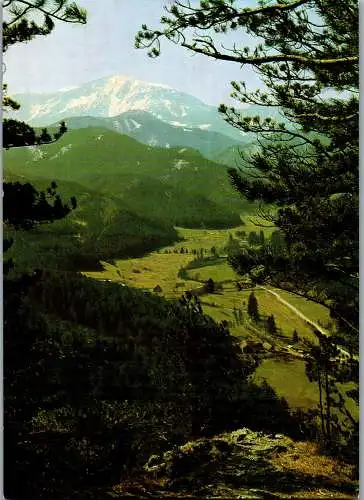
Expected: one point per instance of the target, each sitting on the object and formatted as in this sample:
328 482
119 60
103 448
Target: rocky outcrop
243 464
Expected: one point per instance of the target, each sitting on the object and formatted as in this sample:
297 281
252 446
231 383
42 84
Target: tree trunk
321 404
328 404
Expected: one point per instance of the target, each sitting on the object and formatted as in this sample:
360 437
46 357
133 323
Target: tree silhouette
45 136
306 163
210 286
253 307
271 325
295 337
325 367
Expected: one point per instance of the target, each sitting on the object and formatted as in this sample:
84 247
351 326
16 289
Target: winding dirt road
302 316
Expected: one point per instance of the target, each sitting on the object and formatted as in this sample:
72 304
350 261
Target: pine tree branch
54 13
19 16
257 61
247 12
328 118
293 134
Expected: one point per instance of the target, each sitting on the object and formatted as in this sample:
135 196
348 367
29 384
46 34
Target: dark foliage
98 377
271 325
21 26
35 207
253 311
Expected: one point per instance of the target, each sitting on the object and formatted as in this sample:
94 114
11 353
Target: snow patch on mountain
62 151
184 110
114 83
205 126
167 103
136 124
67 89
36 153
179 164
39 110
83 102
178 124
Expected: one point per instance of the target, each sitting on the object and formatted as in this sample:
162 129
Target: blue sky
75 54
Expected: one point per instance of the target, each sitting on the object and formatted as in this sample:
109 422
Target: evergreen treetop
26 19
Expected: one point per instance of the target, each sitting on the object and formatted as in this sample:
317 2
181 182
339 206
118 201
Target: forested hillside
177 186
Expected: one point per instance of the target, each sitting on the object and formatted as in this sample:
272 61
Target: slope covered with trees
174 186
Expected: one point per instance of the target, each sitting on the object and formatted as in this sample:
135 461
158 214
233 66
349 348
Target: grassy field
148 272
285 318
314 311
207 238
161 268
220 271
289 380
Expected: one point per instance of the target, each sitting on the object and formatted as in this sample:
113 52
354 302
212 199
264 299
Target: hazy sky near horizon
75 54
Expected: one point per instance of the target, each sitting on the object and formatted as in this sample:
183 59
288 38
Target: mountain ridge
109 97
149 130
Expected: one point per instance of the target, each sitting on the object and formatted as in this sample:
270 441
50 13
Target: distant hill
232 156
145 128
175 186
101 228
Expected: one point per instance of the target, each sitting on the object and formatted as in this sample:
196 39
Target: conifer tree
240 316
306 53
25 20
45 136
295 337
325 367
210 286
253 311
271 325
253 239
307 162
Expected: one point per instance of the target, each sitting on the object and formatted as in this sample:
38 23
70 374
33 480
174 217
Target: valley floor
283 365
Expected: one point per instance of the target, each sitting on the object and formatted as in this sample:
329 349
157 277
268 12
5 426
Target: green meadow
286 374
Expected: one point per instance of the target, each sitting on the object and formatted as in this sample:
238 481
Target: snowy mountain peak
112 96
